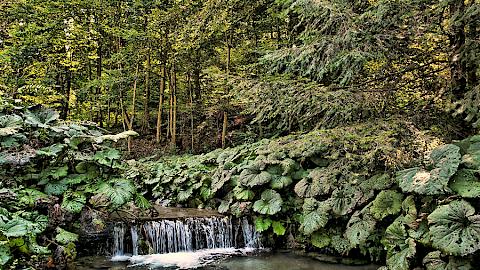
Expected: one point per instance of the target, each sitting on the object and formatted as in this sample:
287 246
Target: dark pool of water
272 261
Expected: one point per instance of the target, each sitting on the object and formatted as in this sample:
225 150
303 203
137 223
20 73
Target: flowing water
267 261
214 243
183 235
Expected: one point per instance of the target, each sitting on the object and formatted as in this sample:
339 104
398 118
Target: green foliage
278 228
315 215
270 203
388 202
118 191
466 184
62 159
444 160
262 224
434 261
455 229
64 237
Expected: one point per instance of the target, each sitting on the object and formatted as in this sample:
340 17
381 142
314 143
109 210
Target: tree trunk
68 90
160 103
174 91
146 113
190 87
225 115
132 118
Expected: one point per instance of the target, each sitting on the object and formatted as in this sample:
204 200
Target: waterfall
185 235
134 231
118 239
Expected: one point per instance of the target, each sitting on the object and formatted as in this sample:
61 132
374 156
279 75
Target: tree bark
160 103
146 113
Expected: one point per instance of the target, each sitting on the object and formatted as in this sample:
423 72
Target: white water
187 260
213 234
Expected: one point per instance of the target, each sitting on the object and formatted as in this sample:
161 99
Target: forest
342 127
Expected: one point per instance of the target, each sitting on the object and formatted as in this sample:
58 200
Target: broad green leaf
345 199
455 229
184 195
56 188
315 215
243 194
64 237
10 124
51 151
466 184
118 191
29 197
270 203
73 202
387 202
359 228
445 161
5 255
279 182
278 228
106 157
319 181
320 239
252 178
262 224
434 261
41 118
400 248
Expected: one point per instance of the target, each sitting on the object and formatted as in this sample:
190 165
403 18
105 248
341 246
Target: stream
266 261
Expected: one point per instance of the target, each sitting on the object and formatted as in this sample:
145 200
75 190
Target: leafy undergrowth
336 191
52 174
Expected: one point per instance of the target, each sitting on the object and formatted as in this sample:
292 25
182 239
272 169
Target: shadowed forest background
195 75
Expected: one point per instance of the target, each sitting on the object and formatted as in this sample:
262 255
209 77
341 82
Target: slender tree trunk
132 118
174 91
170 108
98 90
146 113
68 91
190 92
160 103
225 114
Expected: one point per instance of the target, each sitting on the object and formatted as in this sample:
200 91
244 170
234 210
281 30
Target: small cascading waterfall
250 236
184 235
118 239
134 232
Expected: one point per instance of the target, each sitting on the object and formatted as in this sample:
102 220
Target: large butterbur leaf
466 184
434 261
360 226
387 202
42 118
315 215
270 203
345 199
444 160
117 191
5 255
455 229
64 237
10 124
107 157
400 247
73 202
318 182
251 178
